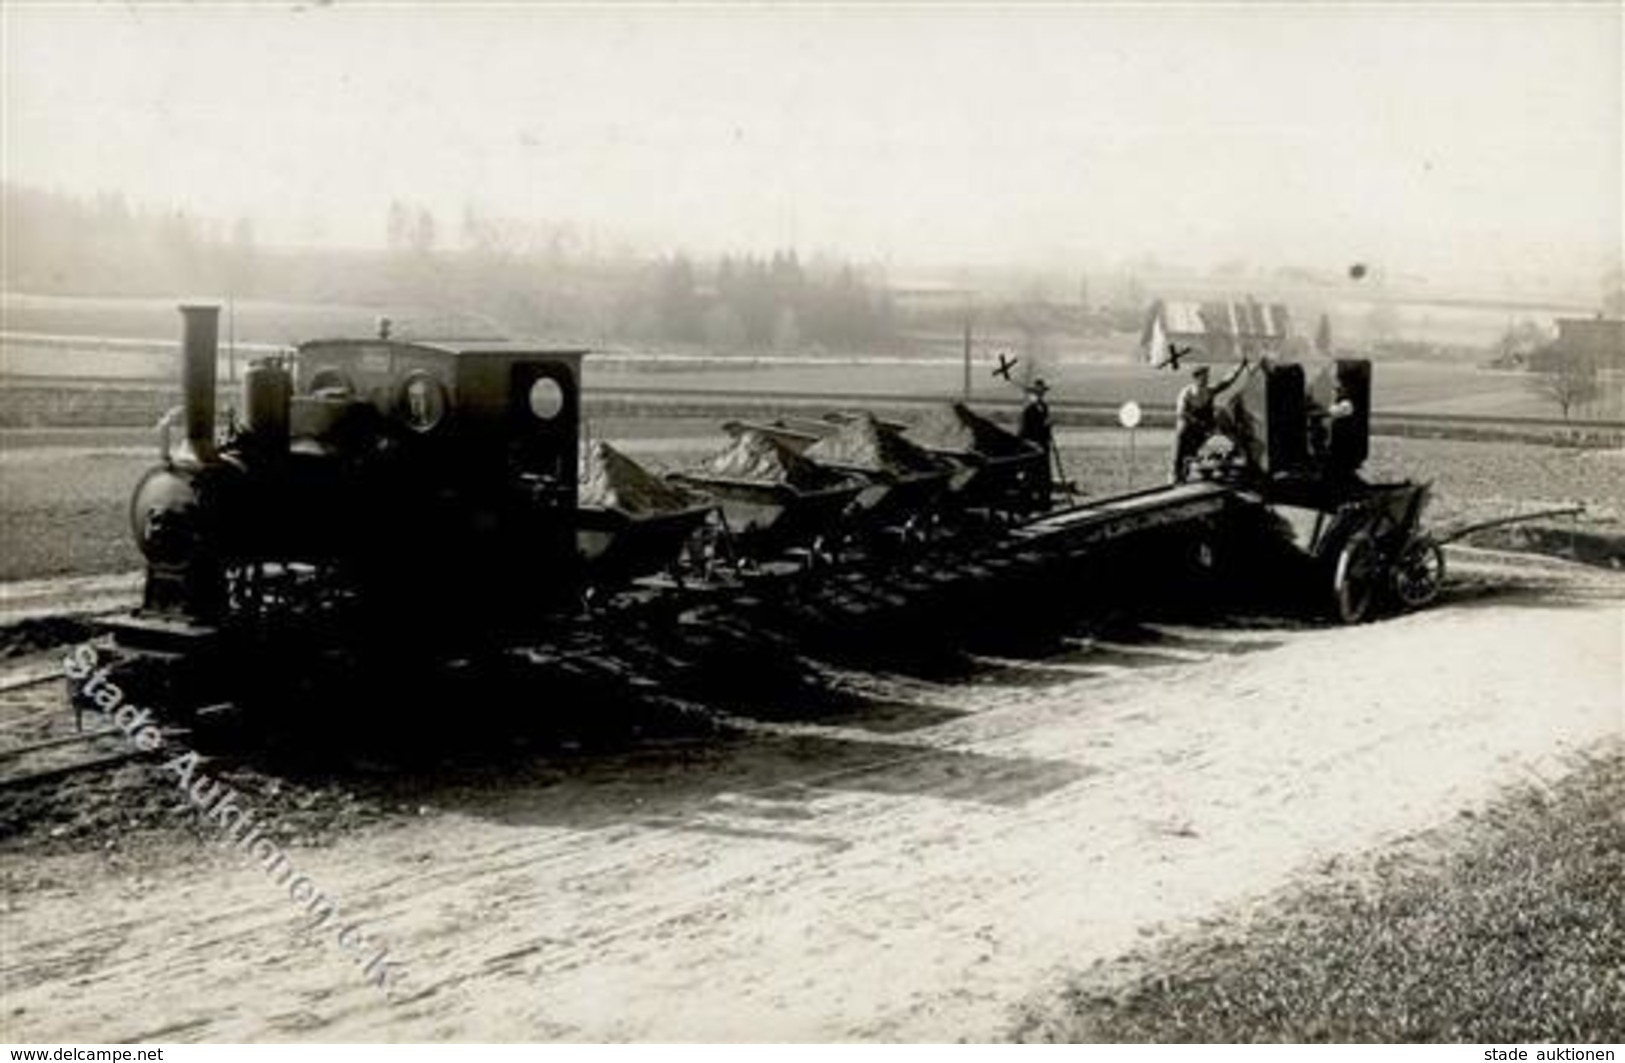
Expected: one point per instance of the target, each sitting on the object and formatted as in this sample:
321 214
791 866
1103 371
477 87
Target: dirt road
917 869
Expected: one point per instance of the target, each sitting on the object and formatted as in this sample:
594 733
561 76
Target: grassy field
1403 387
1090 373
1399 388
66 491
1506 927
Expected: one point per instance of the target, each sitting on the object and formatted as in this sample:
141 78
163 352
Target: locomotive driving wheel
1354 581
1419 572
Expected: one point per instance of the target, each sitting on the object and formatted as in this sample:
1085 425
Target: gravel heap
611 480
957 429
864 443
757 456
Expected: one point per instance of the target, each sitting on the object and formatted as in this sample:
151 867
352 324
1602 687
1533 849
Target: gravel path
919 869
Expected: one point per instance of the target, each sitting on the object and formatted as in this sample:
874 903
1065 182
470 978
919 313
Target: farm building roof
1217 327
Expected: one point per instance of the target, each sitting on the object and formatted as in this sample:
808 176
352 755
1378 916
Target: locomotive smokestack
199 351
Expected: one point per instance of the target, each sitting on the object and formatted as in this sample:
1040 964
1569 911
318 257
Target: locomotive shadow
761 783
604 757
449 728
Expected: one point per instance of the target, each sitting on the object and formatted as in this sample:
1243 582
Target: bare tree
1567 378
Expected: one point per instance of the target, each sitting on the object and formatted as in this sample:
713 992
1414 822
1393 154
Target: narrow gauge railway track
23 679
76 753
42 740
54 759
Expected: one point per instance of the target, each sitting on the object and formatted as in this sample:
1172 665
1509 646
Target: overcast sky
1423 138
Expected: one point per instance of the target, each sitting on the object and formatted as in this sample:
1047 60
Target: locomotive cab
462 455
482 409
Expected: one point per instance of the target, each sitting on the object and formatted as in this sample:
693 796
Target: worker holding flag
1195 415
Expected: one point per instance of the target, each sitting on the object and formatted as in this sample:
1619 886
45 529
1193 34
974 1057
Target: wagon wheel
716 549
822 551
245 589
1354 583
1419 572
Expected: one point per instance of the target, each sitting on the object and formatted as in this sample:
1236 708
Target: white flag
1156 348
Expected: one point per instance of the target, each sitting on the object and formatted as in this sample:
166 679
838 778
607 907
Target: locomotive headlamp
546 398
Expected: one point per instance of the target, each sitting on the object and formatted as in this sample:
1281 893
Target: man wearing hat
1035 428
1195 415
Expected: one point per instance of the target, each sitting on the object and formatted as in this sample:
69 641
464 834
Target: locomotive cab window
421 402
332 380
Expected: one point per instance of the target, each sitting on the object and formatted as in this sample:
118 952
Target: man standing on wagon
1195 416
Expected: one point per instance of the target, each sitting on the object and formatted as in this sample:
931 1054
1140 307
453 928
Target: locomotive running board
160 634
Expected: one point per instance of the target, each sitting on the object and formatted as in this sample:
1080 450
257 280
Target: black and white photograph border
756 523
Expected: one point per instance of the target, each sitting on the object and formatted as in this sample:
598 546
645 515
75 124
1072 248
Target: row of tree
61 243
760 303
496 274
498 265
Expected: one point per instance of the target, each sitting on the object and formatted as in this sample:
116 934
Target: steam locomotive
399 483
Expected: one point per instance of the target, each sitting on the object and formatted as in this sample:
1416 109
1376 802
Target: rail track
25 678
41 740
66 753
33 773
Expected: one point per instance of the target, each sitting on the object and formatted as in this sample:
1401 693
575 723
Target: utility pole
965 383
231 339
